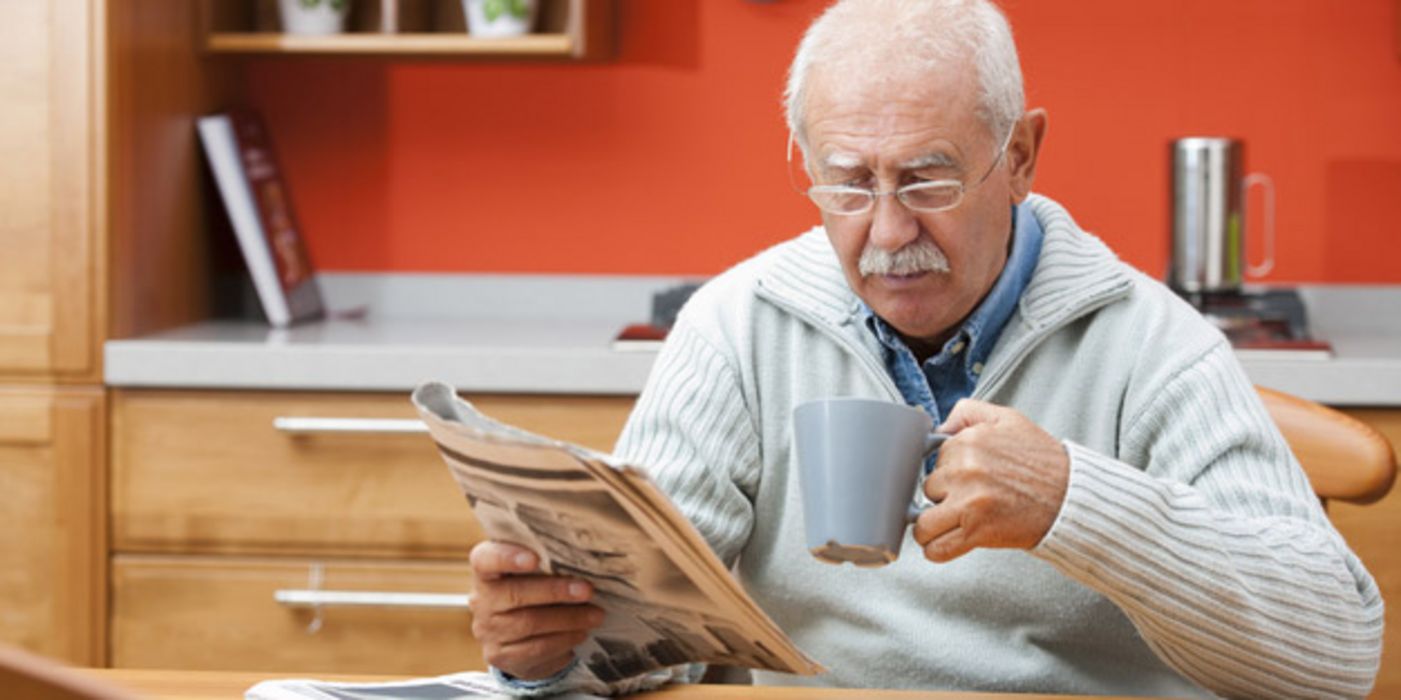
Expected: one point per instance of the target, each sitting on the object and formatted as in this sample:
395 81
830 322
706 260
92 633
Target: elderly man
1115 513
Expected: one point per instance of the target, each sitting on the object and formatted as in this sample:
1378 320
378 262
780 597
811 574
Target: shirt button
957 347
977 368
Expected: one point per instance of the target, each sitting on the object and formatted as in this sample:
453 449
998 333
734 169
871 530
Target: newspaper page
457 686
668 599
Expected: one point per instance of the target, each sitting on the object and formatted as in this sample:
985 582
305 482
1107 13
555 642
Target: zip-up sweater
1190 553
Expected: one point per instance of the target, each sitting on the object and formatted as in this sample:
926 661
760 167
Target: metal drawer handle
313 598
311 425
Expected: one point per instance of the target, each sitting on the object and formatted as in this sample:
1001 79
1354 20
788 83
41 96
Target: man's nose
893 225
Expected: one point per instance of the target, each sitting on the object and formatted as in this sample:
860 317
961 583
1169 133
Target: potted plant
499 18
313 17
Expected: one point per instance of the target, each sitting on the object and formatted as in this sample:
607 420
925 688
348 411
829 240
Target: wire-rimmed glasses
928 196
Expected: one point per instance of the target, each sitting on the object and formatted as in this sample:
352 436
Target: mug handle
1269 264
932 441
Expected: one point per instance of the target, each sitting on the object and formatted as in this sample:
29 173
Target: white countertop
1363 323
554 335
483 355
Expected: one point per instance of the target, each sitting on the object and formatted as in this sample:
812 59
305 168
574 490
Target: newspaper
457 686
669 600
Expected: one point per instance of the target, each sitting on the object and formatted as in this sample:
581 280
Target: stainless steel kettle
1208 216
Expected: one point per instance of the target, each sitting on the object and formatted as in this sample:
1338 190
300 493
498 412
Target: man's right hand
528 623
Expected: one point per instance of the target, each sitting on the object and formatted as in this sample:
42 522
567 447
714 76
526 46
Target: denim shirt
951 374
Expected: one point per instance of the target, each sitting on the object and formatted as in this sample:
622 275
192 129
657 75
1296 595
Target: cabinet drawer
209 473
219 613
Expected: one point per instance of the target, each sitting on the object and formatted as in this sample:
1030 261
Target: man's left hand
1000 482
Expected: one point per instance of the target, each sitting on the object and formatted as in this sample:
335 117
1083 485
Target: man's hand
1000 482
528 623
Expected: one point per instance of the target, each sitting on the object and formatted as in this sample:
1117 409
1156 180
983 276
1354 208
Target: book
1298 349
640 337
668 598
259 207
649 336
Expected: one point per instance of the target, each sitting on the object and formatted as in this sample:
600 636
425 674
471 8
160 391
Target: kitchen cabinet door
50 148
52 581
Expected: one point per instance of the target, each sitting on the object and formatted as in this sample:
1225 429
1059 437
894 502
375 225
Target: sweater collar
806 276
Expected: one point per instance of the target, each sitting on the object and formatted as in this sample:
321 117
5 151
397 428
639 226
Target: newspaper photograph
668 599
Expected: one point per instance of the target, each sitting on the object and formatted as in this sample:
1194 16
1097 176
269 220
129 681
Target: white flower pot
498 18
313 17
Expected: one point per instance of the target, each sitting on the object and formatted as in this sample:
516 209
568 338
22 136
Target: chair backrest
26 676
1345 459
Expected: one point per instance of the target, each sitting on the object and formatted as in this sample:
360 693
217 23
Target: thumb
968 413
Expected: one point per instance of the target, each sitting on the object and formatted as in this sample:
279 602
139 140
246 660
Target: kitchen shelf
426 43
567 30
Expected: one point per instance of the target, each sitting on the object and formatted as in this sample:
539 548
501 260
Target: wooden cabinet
205 483
213 509
52 418
52 568
51 146
1374 533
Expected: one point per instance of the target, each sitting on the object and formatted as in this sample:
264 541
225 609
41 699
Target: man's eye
917 178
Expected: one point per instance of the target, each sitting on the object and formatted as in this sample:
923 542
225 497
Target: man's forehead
922 113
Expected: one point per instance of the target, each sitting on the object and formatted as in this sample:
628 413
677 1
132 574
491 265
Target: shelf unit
567 30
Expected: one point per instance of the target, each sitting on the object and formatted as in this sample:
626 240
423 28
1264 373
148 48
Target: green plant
336 5
493 9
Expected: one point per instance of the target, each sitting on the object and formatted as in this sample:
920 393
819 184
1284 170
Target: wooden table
229 685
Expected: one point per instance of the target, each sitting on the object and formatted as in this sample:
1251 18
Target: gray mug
859 462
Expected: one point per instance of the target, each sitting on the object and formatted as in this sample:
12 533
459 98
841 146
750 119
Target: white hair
913 35
922 255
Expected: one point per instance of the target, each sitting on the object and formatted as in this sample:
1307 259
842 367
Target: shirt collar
980 331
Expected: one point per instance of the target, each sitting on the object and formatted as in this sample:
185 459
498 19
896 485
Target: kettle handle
1269 185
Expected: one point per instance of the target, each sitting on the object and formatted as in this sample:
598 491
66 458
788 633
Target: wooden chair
26 676
1345 459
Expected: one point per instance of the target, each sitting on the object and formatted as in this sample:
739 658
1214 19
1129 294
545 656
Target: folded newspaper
669 600
468 685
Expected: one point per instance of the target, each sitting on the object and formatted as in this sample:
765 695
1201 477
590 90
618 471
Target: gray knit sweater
1190 552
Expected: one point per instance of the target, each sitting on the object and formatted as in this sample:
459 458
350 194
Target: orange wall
669 159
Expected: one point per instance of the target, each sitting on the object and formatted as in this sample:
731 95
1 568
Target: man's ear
1023 150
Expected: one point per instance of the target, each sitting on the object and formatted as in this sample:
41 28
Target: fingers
969 412
516 592
936 485
537 657
940 532
934 522
948 546
491 560
528 623
533 643
516 626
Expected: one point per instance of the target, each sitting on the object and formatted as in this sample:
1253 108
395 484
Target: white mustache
921 256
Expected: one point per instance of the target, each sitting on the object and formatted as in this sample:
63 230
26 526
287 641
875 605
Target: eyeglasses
931 196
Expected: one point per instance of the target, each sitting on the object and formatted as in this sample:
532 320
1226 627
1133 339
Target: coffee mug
859 461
